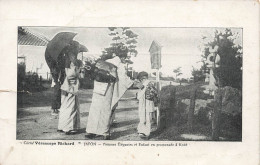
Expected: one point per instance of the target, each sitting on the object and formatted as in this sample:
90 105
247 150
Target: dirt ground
34 120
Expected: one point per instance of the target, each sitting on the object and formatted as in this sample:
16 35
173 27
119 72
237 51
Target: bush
229 72
166 99
204 116
199 95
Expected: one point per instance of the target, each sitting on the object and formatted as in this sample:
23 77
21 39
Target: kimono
57 69
100 112
148 100
69 116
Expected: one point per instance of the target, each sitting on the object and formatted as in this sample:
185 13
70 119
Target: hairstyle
142 74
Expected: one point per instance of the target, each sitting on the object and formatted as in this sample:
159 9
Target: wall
34 59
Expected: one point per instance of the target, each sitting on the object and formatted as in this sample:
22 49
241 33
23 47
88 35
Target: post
216 114
40 80
158 88
172 107
158 79
192 107
155 53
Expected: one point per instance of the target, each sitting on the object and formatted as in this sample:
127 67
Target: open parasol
83 48
62 43
59 42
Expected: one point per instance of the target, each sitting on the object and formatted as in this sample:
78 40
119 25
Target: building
31 50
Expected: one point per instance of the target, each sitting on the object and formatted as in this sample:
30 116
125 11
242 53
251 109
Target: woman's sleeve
122 76
115 61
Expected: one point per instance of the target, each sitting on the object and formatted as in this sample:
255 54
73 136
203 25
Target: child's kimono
69 117
148 100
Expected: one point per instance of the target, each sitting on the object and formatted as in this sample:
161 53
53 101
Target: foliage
186 94
183 80
230 66
177 72
198 74
121 36
167 78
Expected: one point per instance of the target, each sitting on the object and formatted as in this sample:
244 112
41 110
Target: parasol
62 42
58 43
83 48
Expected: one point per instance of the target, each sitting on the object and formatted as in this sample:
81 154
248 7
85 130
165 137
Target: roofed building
31 50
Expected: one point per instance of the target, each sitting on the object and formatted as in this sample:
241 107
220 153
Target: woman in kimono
100 113
69 116
148 100
57 68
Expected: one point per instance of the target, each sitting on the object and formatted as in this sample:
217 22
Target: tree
183 80
177 72
198 74
122 36
229 71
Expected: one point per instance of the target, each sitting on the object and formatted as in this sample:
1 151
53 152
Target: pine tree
121 36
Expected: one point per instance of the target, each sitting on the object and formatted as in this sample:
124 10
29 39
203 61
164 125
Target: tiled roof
25 37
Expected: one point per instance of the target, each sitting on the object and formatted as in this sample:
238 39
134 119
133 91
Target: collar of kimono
142 91
146 83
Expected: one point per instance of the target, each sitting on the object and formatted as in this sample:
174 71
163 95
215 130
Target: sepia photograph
129 83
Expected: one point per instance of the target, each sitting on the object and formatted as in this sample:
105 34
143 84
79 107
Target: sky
180 46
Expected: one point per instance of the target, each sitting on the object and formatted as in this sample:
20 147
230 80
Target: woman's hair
142 74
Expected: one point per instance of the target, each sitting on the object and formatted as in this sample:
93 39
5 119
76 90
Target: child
148 100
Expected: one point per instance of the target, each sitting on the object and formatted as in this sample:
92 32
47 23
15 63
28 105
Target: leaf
112 28
133 52
130 34
131 46
125 28
116 38
132 41
112 34
177 70
113 44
